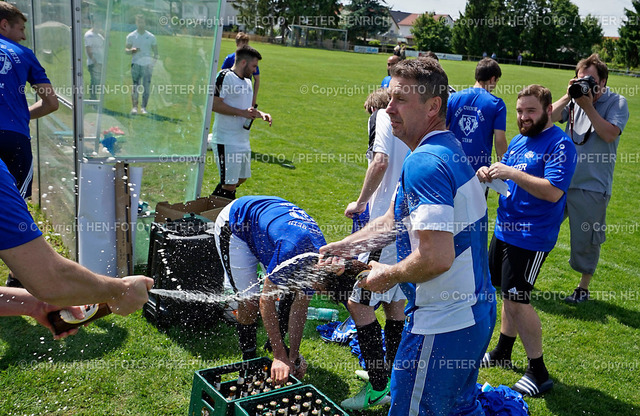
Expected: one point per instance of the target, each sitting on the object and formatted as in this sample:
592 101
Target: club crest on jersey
5 64
468 124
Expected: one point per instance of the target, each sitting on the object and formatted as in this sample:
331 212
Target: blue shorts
437 374
15 152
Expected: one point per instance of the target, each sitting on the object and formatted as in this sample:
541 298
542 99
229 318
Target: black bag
183 257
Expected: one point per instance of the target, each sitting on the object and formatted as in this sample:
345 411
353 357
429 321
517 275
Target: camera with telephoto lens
581 87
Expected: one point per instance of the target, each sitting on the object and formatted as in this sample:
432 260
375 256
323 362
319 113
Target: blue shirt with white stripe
439 191
275 230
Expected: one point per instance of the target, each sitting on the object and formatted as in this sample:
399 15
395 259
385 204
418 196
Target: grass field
124 366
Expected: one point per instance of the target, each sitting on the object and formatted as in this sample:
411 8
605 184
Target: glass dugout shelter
81 44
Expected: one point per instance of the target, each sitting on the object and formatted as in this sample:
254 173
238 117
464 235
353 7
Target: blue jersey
524 220
274 229
18 65
385 82
231 59
16 225
472 115
439 191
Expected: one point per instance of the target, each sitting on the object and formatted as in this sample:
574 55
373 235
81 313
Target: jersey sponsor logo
468 124
5 64
530 155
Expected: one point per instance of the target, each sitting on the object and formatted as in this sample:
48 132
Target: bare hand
483 174
266 117
338 248
301 369
378 280
500 171
280 370
134 295
41 317
354 208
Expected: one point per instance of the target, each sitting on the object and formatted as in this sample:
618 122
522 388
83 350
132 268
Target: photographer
595 118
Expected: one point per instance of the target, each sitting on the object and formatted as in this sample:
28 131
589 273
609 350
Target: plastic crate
206 400
248 406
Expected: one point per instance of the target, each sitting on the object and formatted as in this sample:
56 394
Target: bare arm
17 301
558 106
47 104
59 281
378 233
372 180
219 106
435 255
500 141
256 86
541 188
283 364
607 131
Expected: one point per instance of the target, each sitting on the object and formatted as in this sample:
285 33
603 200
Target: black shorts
514 269
15 152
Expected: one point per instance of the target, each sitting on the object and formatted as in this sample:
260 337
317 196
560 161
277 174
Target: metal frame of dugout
170 142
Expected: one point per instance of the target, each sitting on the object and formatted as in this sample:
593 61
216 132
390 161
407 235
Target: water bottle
322 314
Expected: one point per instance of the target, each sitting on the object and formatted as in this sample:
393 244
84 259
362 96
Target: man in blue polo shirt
537 167
18 65
478 118
440 219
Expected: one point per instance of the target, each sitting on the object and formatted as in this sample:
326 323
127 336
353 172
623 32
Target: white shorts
232 165
239 263
368 298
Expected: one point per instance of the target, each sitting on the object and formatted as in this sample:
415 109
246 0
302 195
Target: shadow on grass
273 159
28 344
593 310
575 400
149 115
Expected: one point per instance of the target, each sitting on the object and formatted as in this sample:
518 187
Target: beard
535 128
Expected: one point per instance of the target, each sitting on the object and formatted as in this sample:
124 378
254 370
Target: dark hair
428 74
486 69
541 93
594 60
430 54
246 52
378 99
11 13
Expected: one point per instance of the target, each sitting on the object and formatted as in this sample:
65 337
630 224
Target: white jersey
385 142
238 93
144 43
95 41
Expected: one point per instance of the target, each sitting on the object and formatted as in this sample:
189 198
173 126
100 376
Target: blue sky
609 12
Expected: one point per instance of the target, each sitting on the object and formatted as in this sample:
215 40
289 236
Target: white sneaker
362 374
134 110
143 110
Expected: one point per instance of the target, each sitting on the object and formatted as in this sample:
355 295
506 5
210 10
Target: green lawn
125 366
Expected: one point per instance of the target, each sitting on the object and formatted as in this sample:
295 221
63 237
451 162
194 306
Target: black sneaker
579 295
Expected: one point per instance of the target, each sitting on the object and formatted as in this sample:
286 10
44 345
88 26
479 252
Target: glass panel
172 89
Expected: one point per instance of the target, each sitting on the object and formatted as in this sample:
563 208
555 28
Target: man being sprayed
285 240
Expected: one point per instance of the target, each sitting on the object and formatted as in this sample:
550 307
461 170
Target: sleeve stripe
433 217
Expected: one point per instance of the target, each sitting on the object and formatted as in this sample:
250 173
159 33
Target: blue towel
502 400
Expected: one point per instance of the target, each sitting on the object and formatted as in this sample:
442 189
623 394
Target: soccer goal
317 37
